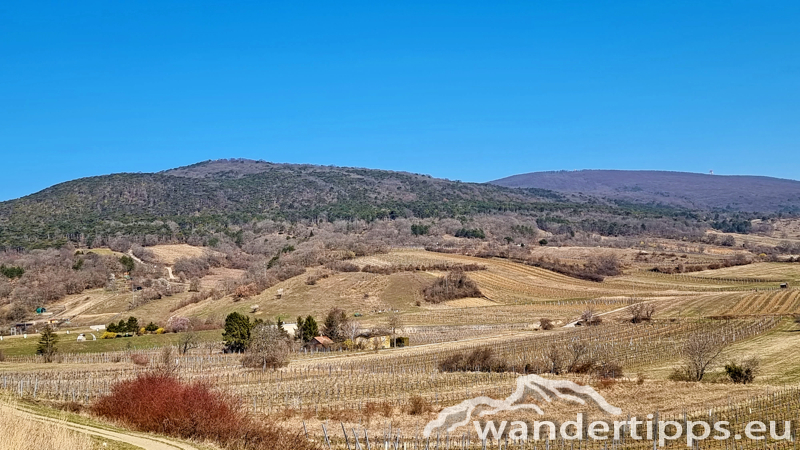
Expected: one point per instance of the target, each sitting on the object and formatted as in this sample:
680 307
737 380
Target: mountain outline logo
535 385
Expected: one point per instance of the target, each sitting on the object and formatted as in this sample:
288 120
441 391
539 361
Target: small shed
784 285
372 341
319 343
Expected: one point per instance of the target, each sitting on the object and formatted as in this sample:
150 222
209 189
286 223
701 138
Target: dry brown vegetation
23 432
452 286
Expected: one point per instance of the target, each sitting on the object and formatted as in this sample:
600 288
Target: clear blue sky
463 90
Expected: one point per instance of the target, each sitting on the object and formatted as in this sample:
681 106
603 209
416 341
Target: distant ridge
690 190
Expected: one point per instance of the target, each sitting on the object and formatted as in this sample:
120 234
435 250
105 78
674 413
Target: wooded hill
209 197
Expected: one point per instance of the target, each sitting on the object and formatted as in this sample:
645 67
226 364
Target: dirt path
169 268
130 253
143 441
572 324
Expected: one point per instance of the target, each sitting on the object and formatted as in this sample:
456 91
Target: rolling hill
210 196
688 190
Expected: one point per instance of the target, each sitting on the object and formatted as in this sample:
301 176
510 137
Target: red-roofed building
319 343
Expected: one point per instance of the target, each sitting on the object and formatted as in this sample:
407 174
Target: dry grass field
168 254
22 432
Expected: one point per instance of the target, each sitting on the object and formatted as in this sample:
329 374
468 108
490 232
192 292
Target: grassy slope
16 346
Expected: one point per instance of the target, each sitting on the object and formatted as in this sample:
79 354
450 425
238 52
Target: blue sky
462 90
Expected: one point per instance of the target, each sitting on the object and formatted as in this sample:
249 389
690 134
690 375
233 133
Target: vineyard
383 399
774 302
351 381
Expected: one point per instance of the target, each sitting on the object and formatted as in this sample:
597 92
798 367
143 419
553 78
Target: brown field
168 254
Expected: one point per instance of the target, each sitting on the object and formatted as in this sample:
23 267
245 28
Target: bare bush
452 286
545 324
246 291
589 318
478 360
641 312
605 265
320 275
608 370
140 359
579 360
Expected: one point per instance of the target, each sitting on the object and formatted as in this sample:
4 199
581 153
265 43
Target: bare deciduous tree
579 353
352 329
699 353
554 358
269 347
394 323
187 341
589 318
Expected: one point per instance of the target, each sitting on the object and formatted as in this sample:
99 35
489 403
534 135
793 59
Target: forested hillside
217 196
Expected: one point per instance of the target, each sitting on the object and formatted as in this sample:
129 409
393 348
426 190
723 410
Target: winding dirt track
143 441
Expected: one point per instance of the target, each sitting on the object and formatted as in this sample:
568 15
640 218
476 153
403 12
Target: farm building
22 328
319 343
370 341
784 285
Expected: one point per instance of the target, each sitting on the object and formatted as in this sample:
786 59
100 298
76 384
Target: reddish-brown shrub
160 403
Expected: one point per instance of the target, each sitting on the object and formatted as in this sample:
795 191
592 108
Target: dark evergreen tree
237 332
310 329
47 344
